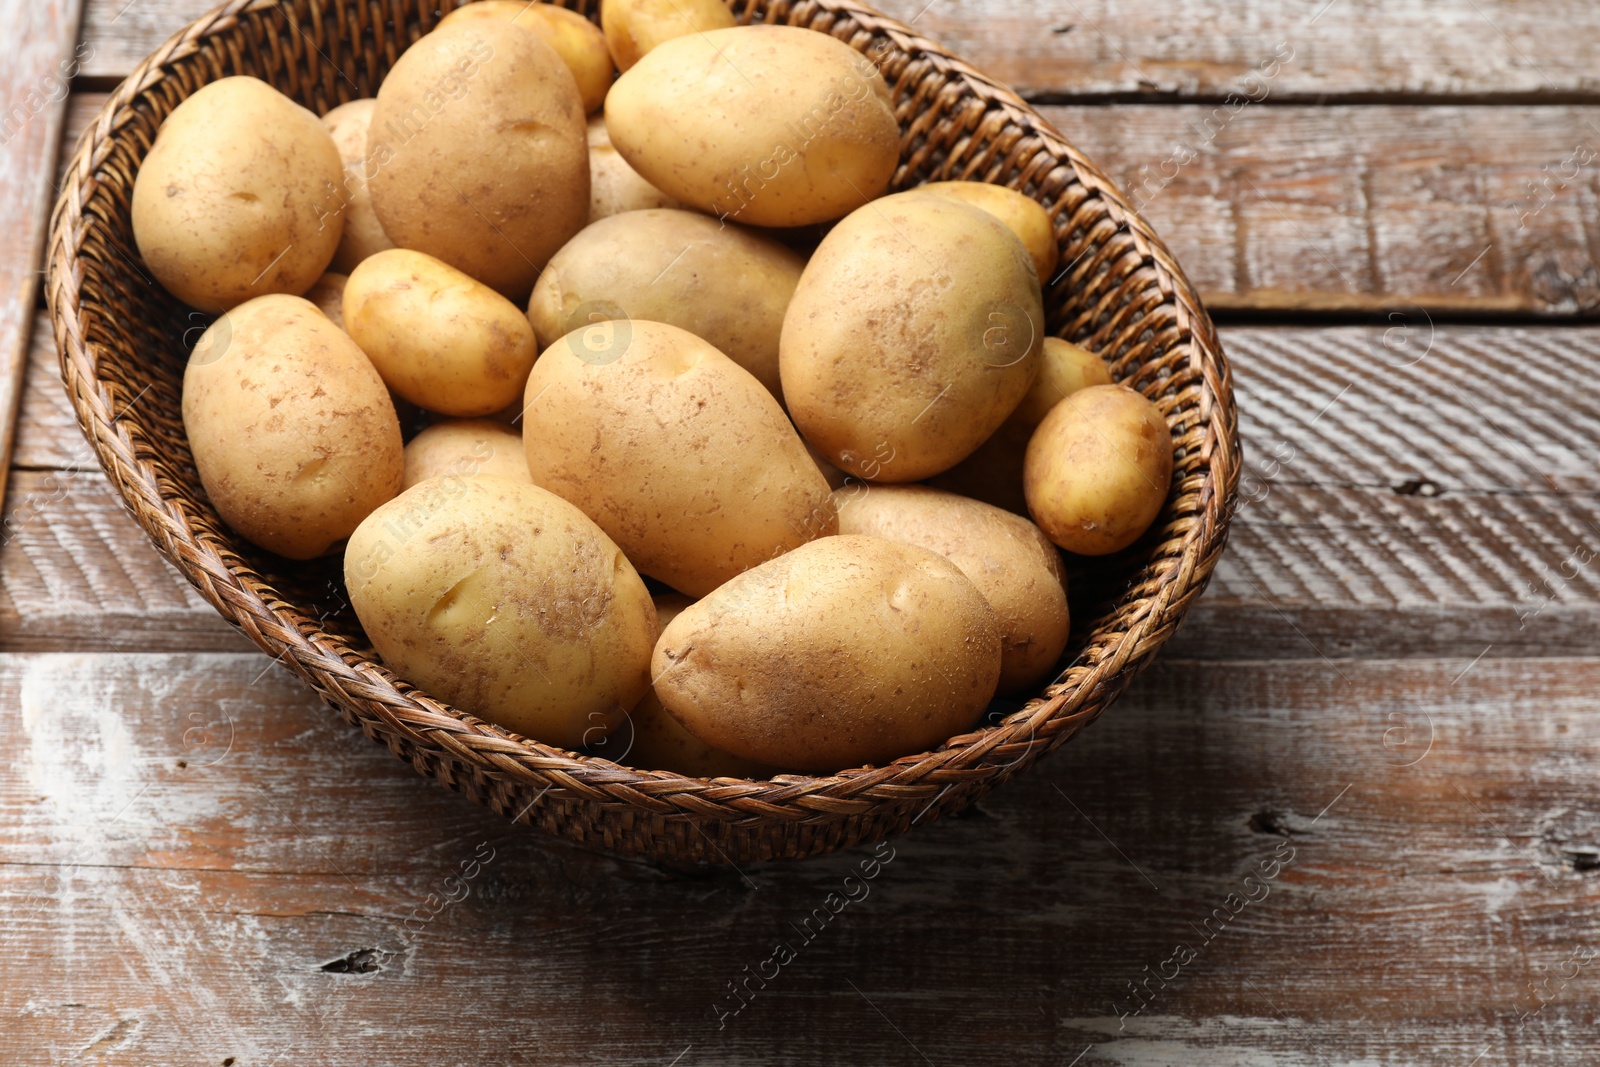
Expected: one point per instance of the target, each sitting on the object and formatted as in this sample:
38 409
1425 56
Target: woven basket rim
345 677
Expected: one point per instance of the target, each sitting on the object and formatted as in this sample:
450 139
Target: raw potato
363 233
440 339
848 650
660 743
292 432
1098 470
674 450
238 196
914 333
478 144
328 295
507 602
724 284
615 187
1012 563
1064 369
1025 217
765 125
634 27
578 41
467 447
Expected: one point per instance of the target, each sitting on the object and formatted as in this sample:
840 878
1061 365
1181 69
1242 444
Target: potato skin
914 333
506 601
676 451
439 338
1008 558
479 151
724 284
293 434
468 447
238 196
1025 217
848 650
764 125
1098 470
328 294
615 187
634 27
578 41
363 233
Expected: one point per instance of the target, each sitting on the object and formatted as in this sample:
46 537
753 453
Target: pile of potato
738 357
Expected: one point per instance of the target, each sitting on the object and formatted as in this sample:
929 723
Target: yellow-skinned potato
848 650
1011 562
634 27
659 742
238 196
615 187
467 447
578 41
1064 369
675 450
363 233
292 431
724 284
914 333
1098 470
506 601
478 153
1025 216
764 125
328 295
439 338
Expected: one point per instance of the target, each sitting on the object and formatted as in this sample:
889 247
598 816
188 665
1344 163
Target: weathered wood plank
1167 48
40 63
1434 887
47 436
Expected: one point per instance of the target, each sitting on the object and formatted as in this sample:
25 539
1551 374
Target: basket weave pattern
123 343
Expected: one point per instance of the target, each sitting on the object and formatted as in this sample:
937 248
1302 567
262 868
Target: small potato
848 650
674 450
237 197
1064 369
440 339
660 743
1025 217
479 151
615 187
507 602
578 41
764 125
1098 470
1012 563
467 447
914 333
363 233
292 432
634 27
724 284
328 295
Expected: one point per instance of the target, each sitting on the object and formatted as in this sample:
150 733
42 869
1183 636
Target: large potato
479 151
238 196
615 187
363 233
634 27
507 602
467 447
848 650
724 284
765 125
1098 470
1011 562
914 333
1025 217
675 450
292 431
578 41
439 338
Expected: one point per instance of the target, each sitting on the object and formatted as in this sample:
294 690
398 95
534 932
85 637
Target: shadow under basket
123 343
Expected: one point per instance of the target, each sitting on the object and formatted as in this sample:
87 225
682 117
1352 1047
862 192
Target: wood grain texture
224 839
40 62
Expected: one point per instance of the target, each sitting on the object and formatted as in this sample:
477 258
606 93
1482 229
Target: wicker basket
123 343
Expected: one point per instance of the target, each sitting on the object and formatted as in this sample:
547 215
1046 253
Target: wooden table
1349 817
